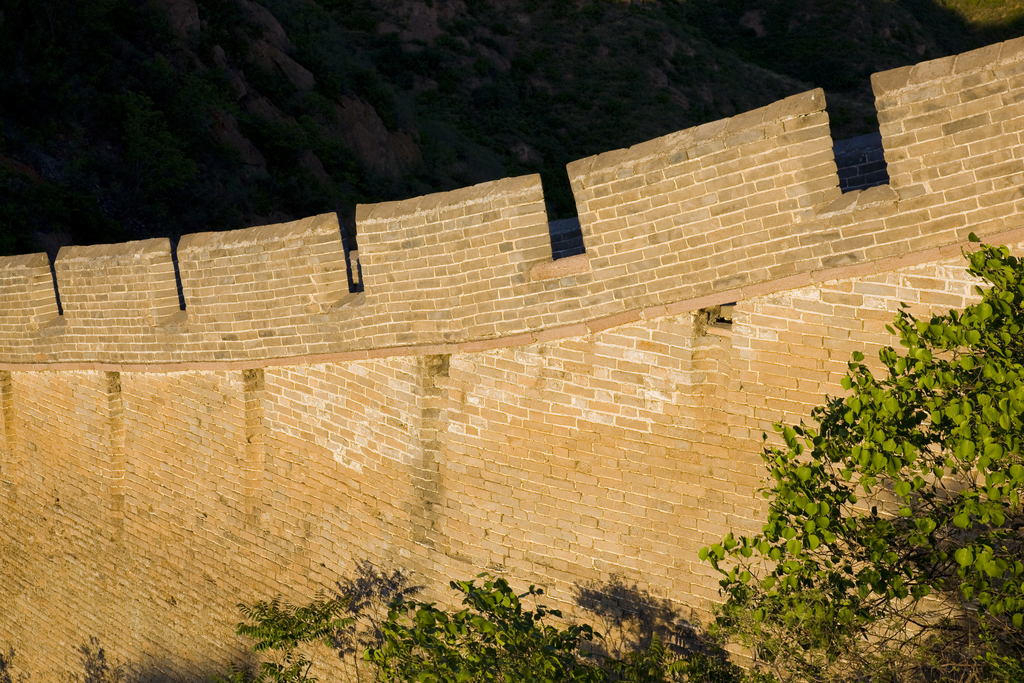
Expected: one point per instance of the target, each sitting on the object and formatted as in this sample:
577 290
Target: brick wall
478 406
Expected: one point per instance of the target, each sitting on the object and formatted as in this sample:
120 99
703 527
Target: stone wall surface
478 406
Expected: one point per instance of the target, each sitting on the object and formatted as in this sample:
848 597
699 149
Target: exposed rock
422 23
225 130
384 152
312 163
235 78
678 98
500 61
261 106
21 168
754 20
271 57
183 16
273 32
657 77
527 154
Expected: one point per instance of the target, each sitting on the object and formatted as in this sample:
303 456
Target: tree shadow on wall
7 674
368 590
98 668
154 673
632 619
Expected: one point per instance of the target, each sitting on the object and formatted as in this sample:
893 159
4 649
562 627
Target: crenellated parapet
114 289
702 216
270 287
27 297
709 208
454 266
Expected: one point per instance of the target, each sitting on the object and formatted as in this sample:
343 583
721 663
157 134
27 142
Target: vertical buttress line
10 467
255 391
713 355
116 469
425 512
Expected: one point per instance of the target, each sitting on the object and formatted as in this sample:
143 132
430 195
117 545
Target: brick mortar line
797 281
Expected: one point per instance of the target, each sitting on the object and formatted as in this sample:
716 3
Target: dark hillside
125 119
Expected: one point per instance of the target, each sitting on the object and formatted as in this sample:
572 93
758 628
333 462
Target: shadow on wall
369 590
860 162
97 668
7 674
631 617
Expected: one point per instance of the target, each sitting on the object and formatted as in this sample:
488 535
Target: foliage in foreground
281 629
495 638
894 528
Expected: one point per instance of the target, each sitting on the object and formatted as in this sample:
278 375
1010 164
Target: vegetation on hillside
124 119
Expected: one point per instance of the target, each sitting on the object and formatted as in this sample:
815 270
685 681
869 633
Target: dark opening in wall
563 224
56 289
707 320
860 162
566 238
177 274
353 268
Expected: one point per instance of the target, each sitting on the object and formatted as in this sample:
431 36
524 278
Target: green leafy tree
493 639
657 664
281 629
910 487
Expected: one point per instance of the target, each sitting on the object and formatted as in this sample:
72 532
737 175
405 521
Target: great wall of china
478 405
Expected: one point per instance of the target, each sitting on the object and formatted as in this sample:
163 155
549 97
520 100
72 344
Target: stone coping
932 255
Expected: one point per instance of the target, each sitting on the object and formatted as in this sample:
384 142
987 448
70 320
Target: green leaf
964 557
